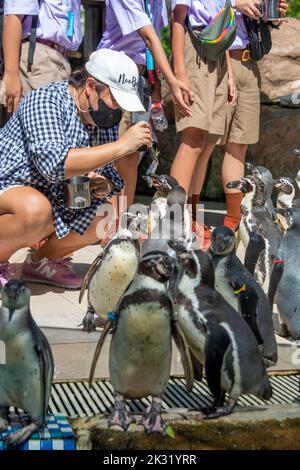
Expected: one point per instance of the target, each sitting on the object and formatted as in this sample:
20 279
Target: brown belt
47 42
240 54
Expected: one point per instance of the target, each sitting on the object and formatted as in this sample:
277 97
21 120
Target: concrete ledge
263 428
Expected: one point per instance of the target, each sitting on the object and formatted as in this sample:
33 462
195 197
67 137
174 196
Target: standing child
29 64
133 26
242 121
209 82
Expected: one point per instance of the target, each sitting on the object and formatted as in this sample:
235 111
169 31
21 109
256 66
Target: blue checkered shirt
35 143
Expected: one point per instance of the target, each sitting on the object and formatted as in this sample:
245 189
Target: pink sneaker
56 272
6 271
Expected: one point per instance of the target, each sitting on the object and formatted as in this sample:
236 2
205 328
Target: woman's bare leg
59 248
25 219
199 176
128 169
191 145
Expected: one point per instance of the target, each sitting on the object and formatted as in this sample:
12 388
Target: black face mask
105 116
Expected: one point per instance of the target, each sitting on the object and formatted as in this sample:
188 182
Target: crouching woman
59 131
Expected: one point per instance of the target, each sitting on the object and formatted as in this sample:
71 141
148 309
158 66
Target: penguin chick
259 234
219 338
112 271
239 288
26 378
141 346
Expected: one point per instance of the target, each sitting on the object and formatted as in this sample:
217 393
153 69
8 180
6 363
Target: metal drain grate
75 399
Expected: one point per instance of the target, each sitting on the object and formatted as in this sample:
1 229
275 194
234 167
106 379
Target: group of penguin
217 310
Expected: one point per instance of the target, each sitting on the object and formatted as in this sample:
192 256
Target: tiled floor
59 313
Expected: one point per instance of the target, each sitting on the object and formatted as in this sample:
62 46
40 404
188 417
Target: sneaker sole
48 283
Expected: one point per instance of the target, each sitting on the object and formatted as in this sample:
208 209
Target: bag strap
32 40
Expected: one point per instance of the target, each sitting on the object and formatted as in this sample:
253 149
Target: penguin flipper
88 276
98 349
46 364
197 367
217 343
184 351
255 247
275 278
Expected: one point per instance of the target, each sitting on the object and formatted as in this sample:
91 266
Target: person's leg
243 131
25 218
192 143
233 169
128 169
56 248
199 177
51 264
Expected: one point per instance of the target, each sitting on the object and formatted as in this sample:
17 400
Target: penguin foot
152 420
120 416
214 412
88 322
17 438
3 424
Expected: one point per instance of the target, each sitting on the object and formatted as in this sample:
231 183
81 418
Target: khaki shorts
209 82
242 120
48 66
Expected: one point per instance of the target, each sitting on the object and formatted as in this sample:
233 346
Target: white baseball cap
119 72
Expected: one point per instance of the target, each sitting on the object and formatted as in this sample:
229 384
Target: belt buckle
246 55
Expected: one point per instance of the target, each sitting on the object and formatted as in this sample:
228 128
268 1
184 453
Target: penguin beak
233 184
156 180
297 152
10 313
277 183
250 167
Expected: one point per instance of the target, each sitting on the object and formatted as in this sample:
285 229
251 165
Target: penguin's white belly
141 350
223 287
244 231
111 280
20 377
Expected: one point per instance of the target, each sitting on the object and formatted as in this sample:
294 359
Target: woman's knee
193 140
36 214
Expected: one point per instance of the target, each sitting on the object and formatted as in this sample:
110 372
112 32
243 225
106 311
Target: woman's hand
100 185
13 91
136 137
232 90
182 96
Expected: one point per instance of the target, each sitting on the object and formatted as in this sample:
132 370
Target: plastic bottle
158 117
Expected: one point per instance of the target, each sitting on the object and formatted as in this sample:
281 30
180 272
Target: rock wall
279 126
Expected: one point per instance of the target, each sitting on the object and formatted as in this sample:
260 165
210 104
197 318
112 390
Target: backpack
1 28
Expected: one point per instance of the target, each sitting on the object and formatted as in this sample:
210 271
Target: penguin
141 346
169 216
235 283
111 272
26 378
267 178
259 234
219 338
286 275
289 195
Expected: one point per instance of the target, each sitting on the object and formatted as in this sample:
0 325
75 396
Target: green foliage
294 8
165 39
